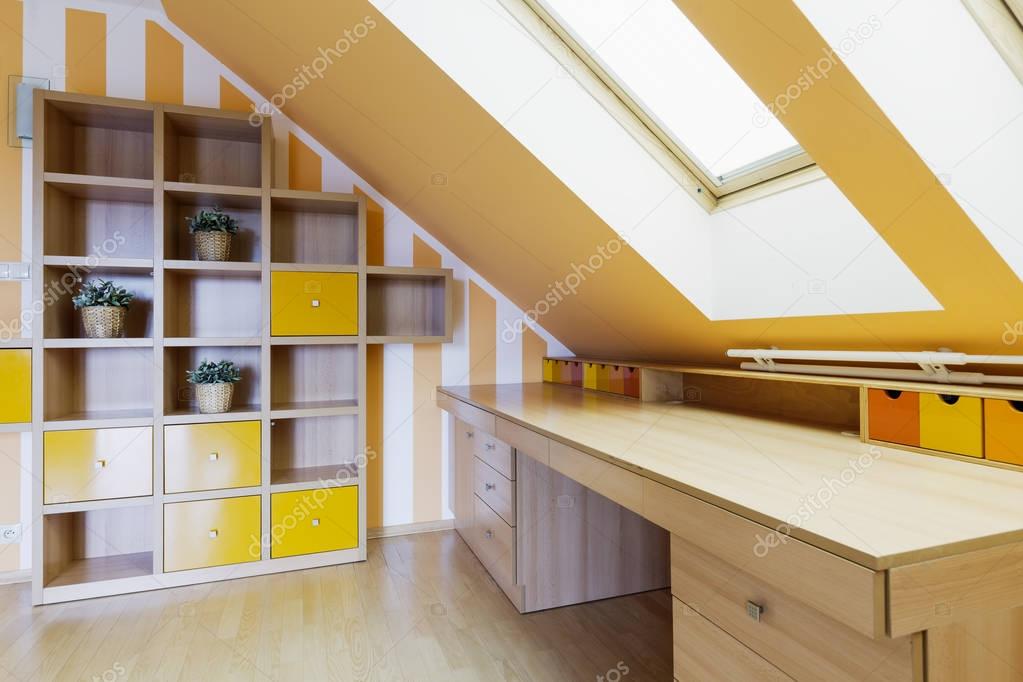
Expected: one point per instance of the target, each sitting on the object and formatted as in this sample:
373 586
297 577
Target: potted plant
212 230
104 306
214 385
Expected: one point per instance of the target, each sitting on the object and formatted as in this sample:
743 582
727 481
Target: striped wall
128 50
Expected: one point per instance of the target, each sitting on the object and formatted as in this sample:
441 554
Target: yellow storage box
952 423
310 521
209 533
211 456
314 304
97 464
16 398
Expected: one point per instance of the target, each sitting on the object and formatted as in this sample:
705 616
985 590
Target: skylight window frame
794 163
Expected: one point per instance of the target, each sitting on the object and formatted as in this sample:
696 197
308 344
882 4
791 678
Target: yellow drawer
314 304
951 424
548 370
590 375
211 456
97 464
208 533
16 398
310 521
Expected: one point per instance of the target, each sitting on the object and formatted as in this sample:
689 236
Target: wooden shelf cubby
97 545
97 220
62 321
182 201
299 380
405 305
200 303
105 383
85 138
179 395
311 449
314 229
211 149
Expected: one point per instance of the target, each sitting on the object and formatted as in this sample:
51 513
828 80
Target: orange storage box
1003 430
893 416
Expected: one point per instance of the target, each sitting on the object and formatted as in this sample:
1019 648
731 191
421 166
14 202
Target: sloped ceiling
408 129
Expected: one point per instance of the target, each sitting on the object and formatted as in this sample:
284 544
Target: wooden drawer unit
314 304
845 591
493 541
704 652
495 489
494 452
522 439
16 398
208 533
796 638
97 464
893 416
952 423
211 456
311 521
1003 430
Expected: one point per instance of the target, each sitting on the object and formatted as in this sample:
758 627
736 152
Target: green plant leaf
101 292
223 372
212 220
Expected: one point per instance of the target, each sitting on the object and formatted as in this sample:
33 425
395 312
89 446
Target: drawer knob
754 611
213 534
316 523
100 464
214 456
489 535
490 486
491 446
316 303
468 434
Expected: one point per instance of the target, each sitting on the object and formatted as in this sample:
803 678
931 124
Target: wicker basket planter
214 398
214 246
104 322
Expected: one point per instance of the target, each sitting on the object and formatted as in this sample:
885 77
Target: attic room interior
514 340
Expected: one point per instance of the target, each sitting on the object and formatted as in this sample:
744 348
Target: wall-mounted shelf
408 305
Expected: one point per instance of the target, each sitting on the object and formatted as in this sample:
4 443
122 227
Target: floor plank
420 608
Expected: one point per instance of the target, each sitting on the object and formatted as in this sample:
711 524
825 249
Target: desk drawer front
800 640
705 653
493 540
609 480
528 442
473 416
495 489
847 592
494 452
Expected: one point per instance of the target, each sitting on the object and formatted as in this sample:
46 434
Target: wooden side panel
989 648
576 545
460 440
954 589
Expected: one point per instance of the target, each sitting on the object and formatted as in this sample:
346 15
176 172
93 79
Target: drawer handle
489 535
214 456
316 303
213 534
316 523
468 434
490 446
754 611
99 464
490 486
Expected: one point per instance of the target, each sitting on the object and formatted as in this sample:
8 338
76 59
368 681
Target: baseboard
410 529
12 577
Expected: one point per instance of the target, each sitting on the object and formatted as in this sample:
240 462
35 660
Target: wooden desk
912 565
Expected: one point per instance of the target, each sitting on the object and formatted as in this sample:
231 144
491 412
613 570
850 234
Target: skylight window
682 89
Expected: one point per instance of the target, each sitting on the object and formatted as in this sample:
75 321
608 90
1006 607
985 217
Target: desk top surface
880 507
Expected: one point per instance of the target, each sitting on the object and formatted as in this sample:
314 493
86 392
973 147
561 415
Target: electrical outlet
565 501
10 535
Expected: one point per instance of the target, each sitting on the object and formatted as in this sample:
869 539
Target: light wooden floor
421 608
